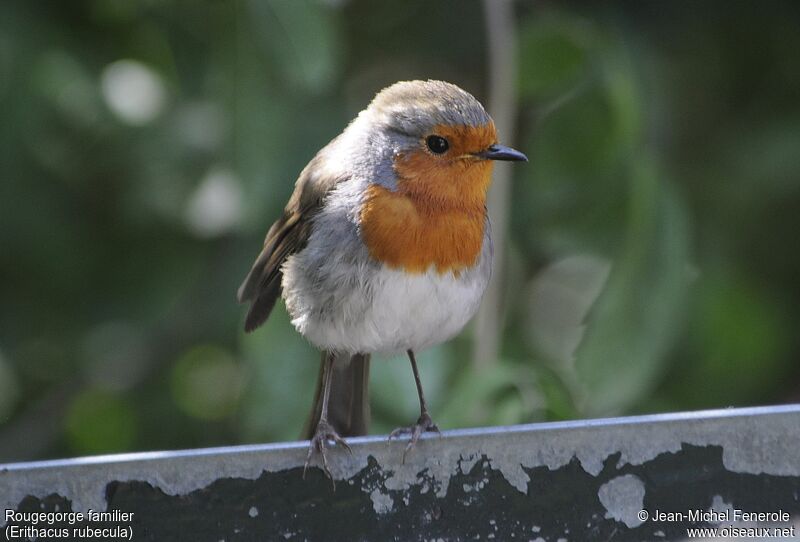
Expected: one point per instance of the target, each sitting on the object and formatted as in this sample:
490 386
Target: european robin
384 247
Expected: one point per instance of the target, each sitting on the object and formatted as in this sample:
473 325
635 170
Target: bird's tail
348 405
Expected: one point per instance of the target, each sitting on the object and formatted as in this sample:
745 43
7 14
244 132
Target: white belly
414 311
374 309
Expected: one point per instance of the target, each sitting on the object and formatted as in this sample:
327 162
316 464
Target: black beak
501 152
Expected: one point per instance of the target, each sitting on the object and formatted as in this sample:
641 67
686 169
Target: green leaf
554 56
634 321
302 37
502 394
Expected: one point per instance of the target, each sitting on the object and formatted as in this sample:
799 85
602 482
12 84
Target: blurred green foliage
146 146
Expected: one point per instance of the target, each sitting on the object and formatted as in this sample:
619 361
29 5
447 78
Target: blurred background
147 145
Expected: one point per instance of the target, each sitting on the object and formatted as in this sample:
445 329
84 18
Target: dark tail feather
348 407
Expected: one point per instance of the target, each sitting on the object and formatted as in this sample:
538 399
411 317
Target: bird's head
443 141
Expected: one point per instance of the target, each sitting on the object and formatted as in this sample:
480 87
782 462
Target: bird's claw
424 425
318 443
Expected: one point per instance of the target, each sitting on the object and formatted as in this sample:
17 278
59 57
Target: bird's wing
288 235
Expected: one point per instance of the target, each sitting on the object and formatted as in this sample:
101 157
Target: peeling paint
753 441
623 498
381 502
719 505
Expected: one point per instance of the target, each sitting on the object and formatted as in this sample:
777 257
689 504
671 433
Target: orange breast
436 218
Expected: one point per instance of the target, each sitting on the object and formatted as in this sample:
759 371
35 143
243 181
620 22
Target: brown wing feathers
263 284
289 234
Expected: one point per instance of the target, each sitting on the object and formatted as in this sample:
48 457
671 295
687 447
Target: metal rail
605 479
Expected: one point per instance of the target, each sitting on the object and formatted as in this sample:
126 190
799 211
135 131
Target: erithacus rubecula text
384 247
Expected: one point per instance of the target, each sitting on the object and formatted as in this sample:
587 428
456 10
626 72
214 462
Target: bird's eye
437 144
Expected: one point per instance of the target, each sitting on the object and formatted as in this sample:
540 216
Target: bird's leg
424 423
325 431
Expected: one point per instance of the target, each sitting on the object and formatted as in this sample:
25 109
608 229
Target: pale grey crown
413 108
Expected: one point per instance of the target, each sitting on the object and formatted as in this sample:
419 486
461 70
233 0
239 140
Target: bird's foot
424 425
324 434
